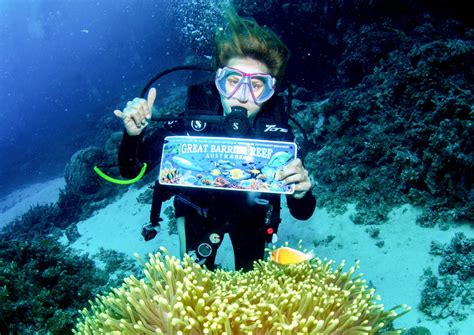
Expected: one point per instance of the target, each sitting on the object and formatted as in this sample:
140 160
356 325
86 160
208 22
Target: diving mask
231 82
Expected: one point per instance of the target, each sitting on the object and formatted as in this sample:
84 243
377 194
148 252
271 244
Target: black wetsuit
212 213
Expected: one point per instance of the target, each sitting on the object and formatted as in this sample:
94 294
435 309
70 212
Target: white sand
20 201
118 227
393 269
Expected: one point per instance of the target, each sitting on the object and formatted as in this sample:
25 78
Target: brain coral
181 297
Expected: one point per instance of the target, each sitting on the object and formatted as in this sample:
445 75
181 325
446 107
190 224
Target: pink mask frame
245 85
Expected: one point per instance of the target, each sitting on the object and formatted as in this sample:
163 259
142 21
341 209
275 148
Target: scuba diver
250 61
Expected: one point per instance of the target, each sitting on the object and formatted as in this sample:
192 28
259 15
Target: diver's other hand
136 114
297 174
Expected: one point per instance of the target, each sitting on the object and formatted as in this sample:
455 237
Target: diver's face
247 65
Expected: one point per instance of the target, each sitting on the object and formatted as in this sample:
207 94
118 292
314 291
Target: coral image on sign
226 163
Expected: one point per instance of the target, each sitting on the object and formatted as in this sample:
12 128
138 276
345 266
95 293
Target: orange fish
285 255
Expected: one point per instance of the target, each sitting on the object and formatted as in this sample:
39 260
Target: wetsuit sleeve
303 208
136 150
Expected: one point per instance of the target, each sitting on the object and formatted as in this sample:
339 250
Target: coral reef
42 282
145 197
79 175
324 242
39 220
458 258
366 47
450 294
373 232
84 193
43 285
386 103
446 296
172 223
336 43
116 264
417 331
183 297
402 135
82 183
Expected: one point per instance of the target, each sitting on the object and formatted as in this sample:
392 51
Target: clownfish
286 255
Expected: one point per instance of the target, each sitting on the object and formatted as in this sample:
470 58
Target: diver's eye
233 81
257 86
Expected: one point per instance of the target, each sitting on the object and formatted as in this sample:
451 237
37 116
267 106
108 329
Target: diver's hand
297 174
136 114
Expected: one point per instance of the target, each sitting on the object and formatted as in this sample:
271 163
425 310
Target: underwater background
382 89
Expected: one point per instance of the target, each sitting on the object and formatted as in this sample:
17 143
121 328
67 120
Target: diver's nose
242 94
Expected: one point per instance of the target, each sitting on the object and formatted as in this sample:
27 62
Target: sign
226 163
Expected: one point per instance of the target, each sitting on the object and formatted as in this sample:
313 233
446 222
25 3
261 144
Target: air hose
121 181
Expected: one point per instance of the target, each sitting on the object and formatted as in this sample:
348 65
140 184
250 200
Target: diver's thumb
151 99
119 113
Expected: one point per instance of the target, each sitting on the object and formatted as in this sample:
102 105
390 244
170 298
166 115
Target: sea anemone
181 297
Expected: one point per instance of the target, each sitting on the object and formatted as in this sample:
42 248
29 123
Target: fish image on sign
234 164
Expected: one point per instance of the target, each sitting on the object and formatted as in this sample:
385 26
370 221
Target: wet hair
244 37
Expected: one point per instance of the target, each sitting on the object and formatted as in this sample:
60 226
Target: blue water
63 66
